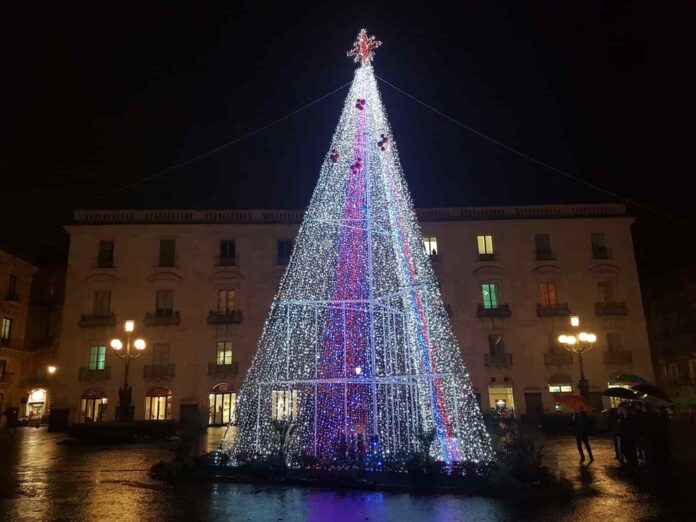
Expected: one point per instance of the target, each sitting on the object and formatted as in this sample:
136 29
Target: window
606 291
167 252
489 293
105 255
673 371
547 294
102 302
542 245
222 407
599 246
227 301
228 251
12 287
561 388
496 345
430 244
97 357
6 330
284 404
164 305
284 249
158 404
485 245
160 353
93 409
614 342
3 369
224 353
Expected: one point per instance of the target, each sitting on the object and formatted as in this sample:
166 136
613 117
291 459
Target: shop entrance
222 401
36 404
501 398
93 406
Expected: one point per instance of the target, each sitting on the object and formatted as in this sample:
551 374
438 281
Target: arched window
158 403
222 404
93 405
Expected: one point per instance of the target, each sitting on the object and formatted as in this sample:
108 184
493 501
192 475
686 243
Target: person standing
581 429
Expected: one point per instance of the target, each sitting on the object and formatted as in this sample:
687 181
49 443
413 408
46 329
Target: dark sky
96 97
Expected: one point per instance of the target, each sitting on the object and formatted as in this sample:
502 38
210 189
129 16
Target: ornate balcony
500 311
558 358
223 369
553 310
618 357
487 257
104 262
617 308
168 318
97 320
89 374
544 254
224 317
159 371
165 261
601 253
498 359
226 261
12 297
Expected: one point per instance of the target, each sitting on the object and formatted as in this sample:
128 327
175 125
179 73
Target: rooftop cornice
257 216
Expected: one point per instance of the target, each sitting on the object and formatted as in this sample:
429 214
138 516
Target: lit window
224 353
547 294
226 301
93 409
560 388
158 404
430 244
489 293
284 404
97 357
6 330
485 245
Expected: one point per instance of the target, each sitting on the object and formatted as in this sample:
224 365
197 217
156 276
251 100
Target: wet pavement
42 479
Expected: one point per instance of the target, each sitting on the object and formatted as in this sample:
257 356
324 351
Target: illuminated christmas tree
357 359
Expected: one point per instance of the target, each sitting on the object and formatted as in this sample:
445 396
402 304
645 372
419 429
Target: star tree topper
364 48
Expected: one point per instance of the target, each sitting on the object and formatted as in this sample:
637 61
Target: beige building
199 285
15 283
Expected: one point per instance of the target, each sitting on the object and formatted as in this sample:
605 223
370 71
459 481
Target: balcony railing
618 357
89 374
553 310
558 358
223 369
159 371
282 260
497 359
166 318
601 253
486 257
499 311
544 254
224 317
165 261
104 262
12 296
97 320
617 308
225 261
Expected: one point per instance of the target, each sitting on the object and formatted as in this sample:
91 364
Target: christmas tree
357 359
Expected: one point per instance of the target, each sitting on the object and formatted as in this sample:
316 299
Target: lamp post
579 343
125 410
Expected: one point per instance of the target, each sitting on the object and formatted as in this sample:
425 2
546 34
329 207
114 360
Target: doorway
222 403
535 408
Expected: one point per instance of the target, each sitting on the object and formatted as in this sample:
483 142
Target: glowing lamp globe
116 344
129 326
51 369
139 344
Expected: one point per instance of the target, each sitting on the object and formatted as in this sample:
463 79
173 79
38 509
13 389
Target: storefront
501 397
559 384
222 404
36 404
158 404
93 406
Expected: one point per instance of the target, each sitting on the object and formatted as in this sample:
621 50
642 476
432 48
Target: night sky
95 99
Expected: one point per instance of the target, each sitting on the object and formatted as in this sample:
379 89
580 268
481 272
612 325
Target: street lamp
579 343
51 369
125 410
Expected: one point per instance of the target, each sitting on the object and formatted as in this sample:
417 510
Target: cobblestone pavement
43 479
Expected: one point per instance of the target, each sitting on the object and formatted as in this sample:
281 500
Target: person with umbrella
581 429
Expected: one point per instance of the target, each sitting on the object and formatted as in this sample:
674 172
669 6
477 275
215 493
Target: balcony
601 253
497 312
558 358
486 257
606 308
498 359
89 374
225 261
544 254
159 371
553 310
165 261
104 262
435 258
13 297
97 320
162 318
223 369
618 357
282 260
224 317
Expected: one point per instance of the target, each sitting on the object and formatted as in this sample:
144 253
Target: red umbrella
573 401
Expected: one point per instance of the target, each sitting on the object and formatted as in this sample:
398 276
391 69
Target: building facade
15 283
198 285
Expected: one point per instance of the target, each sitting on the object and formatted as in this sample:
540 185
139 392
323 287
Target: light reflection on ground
43 480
